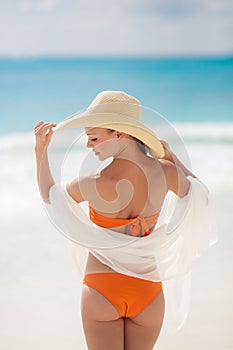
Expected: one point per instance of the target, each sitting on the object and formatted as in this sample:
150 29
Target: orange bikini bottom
129 295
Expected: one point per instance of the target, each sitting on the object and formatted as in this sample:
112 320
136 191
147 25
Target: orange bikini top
139 225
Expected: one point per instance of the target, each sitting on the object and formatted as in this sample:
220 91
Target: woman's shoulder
176 180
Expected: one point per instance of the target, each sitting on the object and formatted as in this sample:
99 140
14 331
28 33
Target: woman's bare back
126 190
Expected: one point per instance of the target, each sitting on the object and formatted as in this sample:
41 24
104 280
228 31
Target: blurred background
176 57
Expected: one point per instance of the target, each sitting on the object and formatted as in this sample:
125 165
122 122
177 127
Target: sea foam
209 147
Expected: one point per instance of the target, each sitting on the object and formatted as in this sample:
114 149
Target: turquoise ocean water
181 89
194 95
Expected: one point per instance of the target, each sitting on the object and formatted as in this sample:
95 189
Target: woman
119 311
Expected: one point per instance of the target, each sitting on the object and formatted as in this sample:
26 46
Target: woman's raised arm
43 133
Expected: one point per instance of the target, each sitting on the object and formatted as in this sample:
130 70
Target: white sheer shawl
186 228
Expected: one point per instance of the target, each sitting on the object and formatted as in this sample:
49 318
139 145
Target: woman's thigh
103 327
142 331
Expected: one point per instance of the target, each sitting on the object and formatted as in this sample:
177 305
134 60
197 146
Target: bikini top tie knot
139 225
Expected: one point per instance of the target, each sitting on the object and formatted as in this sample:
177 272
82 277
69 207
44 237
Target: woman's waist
95 266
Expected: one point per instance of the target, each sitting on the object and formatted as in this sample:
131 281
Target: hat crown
117 102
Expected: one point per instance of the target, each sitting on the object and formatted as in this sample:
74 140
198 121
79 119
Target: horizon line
120 56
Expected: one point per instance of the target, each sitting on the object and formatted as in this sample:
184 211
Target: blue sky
116 27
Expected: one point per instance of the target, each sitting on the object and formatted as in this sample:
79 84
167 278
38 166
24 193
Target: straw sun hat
118 111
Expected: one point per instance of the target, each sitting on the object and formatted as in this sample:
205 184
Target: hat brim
117 122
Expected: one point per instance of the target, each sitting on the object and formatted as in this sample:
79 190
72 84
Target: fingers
36 127
38 123
164 143
41 122
43 134
166 146
168 154
43 128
